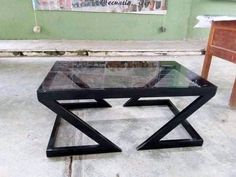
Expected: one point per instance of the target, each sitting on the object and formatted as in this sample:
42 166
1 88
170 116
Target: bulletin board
116 6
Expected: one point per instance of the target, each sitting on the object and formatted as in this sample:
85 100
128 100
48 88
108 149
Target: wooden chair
222 43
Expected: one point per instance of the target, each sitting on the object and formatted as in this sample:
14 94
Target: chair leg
232 101
206 65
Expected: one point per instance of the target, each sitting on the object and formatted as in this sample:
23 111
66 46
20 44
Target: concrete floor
74 45
25 126
65 48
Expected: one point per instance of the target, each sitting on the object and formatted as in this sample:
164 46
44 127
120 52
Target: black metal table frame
63 110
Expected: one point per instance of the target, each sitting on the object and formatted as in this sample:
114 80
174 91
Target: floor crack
68 170
70 166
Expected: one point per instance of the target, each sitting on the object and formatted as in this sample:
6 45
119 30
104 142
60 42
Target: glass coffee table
99 80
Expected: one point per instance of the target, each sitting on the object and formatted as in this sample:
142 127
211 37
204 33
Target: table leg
233 96
155 142
63 111
206 65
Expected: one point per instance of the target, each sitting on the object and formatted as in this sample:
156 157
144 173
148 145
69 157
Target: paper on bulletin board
204 21
114 6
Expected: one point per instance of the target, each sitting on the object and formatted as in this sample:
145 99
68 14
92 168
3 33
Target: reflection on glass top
67 75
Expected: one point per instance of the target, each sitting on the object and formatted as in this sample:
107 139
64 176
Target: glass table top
76 75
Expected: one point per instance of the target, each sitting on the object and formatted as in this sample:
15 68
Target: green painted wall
208 7
16 22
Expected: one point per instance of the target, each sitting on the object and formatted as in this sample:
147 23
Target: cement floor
25 126
99 46
68 48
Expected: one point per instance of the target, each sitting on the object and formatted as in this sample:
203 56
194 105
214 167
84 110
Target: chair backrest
222 40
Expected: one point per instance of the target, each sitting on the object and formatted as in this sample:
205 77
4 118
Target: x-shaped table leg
63 111
154 141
